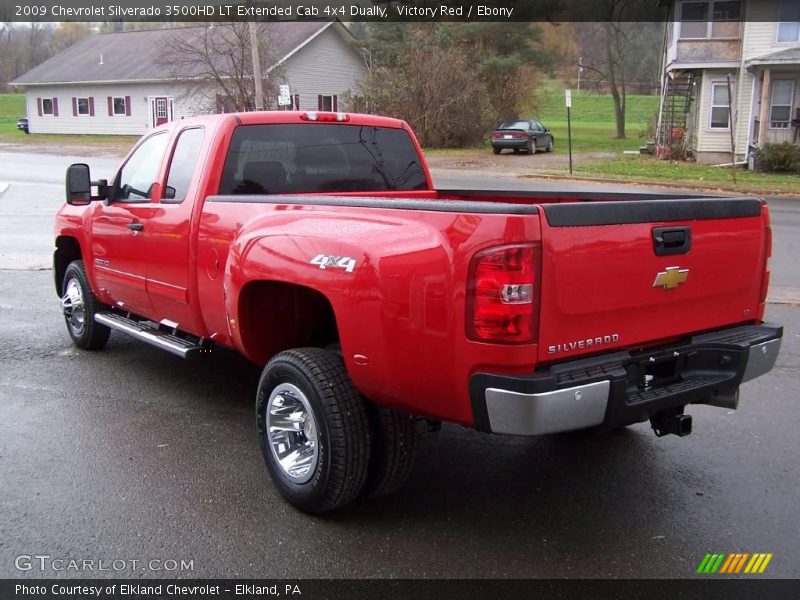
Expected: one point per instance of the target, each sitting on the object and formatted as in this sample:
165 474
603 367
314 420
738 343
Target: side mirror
169 192
79 184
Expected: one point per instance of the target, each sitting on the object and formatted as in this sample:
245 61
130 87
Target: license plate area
656 372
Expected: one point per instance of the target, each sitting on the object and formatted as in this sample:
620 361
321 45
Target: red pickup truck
315 245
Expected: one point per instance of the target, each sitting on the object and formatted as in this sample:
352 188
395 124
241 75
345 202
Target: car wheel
550 145
79 305
496 150
394 436
532 146
313 428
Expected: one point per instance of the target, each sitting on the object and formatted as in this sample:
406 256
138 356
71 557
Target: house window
48 106
789 25
119 106
780 109
83 106
716 19
326 103
720 106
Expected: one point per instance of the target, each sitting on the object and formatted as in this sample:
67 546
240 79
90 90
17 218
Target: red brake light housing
325 117
503 295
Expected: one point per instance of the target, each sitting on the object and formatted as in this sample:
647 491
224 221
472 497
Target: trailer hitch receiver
670 421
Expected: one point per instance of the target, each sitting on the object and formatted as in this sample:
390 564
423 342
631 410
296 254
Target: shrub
781 158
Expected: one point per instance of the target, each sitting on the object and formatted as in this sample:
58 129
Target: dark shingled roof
138 55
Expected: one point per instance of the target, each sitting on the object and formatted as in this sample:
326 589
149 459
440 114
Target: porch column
763 113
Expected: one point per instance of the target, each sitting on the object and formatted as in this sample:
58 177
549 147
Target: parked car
315 244
522 135
22 125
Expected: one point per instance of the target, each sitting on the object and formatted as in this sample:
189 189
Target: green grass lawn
12 107
647 168
593 126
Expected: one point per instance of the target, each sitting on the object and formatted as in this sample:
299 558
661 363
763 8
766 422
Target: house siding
761 30
185 104
325 66
711 140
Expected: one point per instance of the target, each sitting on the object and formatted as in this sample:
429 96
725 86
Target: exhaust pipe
671 421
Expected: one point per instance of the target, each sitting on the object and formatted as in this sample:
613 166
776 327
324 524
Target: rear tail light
325 116
517 136
503 295
767 253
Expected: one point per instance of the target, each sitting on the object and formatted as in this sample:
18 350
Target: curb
789 296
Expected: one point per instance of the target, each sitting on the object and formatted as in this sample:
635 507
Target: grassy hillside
593 127
12 107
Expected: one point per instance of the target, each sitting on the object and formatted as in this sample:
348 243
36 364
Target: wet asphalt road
132 454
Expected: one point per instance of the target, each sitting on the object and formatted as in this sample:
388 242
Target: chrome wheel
292 432
73 306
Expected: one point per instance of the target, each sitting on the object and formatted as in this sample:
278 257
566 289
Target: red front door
162 111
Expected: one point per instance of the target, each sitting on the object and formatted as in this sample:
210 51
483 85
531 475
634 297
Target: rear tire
496 150
79 306
532 147
394 437
313 428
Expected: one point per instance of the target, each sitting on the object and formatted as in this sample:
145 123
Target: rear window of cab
320 157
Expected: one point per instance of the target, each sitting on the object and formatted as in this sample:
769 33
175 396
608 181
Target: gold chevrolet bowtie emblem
671 278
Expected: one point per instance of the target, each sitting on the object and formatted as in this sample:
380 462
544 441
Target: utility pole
256 66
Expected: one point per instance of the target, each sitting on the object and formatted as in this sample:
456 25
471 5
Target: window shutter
39 106
91 106
55 107
319 102
74 106
335 103
297 101
127 106
219 103
110 106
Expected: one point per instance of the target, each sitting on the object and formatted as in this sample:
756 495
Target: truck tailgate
627 274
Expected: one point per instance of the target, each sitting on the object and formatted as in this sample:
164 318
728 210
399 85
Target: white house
730 63
118 83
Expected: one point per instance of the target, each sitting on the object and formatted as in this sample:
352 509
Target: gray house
731 76
120 83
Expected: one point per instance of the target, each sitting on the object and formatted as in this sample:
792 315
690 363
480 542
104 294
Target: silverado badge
671 278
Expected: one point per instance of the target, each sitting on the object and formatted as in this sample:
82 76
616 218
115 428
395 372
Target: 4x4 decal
337 262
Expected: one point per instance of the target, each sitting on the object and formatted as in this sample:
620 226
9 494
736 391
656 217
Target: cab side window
183 164
134 182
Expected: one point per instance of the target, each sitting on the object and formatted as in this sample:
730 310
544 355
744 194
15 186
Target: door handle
672 240
136 227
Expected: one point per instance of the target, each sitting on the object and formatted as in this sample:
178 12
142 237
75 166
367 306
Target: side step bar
150 334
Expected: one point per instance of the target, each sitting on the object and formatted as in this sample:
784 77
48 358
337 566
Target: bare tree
217 60
68 33
620 44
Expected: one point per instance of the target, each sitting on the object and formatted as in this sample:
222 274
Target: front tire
79 306
550 145
313 427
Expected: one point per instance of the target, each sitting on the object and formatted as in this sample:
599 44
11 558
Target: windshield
320 157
